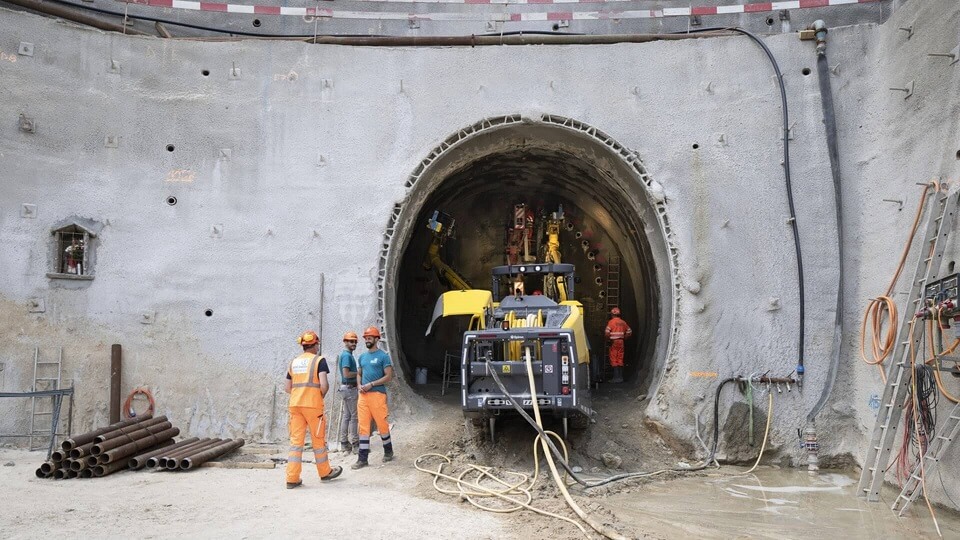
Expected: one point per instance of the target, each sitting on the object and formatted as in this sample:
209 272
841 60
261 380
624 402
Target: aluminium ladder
939 225
43 379
612 296
931 460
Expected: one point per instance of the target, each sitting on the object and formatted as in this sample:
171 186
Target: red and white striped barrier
758 7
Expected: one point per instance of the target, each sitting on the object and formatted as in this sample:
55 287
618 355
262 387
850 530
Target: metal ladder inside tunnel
451 371
612 296
43 379
931 460
939 225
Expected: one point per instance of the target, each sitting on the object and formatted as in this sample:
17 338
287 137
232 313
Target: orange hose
882 307
875 315
127 409
935 357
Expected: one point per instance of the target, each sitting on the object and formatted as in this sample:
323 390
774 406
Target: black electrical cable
716 418
562 460
786 172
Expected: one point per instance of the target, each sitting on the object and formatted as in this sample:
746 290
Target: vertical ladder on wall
930 461
939 225
44 379
612 295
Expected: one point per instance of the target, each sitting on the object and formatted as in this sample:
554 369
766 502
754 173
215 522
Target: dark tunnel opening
605 234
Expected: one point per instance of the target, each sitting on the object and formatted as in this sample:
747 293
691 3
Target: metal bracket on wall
907 89
953 55
25 49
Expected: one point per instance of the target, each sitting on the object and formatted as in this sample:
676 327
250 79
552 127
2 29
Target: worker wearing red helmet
374 370
307 385
617 330
347 365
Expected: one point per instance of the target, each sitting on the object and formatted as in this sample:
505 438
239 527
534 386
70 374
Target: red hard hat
371 332
615 312
308 338
350 336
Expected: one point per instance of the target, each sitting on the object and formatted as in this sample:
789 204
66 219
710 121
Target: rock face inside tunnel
610 232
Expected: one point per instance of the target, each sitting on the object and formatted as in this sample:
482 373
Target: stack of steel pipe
107 450
192 455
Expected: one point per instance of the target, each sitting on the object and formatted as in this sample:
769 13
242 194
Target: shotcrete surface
287 159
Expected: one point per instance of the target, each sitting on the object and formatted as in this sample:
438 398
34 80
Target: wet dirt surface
771 503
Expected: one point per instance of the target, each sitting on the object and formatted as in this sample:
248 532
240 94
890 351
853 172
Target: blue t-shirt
346 361
373 366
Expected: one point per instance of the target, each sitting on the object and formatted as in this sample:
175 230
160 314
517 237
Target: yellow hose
470 491
599 527
766 433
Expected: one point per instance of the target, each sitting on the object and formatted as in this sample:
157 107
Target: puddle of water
733 505
790 489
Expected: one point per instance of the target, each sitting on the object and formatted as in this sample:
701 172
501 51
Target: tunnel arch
552 160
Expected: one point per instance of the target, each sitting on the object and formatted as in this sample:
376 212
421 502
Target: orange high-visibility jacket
306 384
617 328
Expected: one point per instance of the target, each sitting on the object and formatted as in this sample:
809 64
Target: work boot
359 465
346 447
617 375
387 456
335 472
291 485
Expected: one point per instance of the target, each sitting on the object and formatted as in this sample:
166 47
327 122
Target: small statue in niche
73 255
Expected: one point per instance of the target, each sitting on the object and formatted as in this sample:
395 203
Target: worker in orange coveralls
617 330
307 385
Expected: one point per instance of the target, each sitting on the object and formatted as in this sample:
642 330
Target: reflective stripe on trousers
301 419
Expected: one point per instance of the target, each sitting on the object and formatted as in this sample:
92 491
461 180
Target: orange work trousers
302 418
616 353
372 406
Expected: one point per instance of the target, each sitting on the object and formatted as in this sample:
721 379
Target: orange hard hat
350 336
308 338
371 332
615 312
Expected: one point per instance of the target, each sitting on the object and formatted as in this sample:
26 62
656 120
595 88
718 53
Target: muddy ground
395 500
